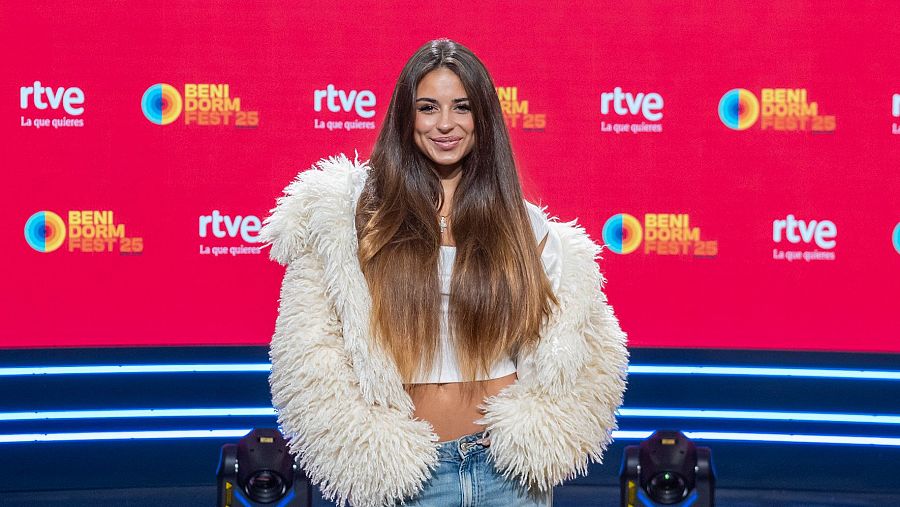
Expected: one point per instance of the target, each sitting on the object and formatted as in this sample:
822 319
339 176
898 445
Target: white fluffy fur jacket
339 397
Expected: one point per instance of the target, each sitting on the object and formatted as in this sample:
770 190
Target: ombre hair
499 291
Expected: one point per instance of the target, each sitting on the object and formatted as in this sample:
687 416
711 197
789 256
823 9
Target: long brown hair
499 291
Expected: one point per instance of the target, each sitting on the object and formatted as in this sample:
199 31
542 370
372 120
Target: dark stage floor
567 496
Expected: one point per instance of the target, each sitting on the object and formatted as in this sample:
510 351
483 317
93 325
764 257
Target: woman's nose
446 122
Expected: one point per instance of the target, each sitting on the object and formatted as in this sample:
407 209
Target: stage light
259 471
667 469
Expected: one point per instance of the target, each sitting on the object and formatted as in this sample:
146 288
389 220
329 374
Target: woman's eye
429 108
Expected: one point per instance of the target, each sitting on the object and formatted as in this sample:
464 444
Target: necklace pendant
443 224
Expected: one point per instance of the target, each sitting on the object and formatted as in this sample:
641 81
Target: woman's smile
446 143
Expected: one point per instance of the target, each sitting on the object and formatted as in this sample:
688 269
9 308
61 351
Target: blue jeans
465 478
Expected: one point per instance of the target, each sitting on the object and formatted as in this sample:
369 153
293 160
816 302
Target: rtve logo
895 105
363 102
246 226
649 105
795 231
68 98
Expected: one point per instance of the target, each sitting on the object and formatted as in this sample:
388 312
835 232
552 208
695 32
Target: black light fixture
667 469
260 471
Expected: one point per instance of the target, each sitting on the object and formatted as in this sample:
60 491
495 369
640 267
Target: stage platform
565 496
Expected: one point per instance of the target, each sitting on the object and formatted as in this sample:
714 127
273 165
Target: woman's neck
449 180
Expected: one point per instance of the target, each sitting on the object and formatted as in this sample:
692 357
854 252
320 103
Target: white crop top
446 368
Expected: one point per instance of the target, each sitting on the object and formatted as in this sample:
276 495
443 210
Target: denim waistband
464 446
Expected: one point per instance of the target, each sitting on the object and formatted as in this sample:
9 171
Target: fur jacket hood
339 396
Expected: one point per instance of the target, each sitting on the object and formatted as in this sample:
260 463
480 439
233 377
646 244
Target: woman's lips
446 145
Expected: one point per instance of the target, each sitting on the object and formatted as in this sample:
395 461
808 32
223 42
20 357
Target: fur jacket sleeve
339 397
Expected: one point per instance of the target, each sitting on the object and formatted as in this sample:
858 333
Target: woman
439 341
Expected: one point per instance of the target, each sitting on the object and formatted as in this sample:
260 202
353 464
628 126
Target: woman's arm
545 430
367 455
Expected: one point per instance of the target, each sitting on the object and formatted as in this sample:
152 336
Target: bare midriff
446 408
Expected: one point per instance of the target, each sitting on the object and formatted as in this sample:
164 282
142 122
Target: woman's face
445 127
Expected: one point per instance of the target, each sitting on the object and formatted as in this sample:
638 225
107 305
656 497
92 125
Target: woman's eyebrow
433 101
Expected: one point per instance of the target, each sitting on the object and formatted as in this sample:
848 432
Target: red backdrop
823 148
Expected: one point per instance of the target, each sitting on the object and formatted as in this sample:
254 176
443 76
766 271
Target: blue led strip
759 371
635 369
758 415
137 413
135 368
720 436
724 436
121 435
682 413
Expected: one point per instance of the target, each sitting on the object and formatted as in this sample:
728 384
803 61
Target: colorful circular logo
45 231
739 109
897 237
161 104
622 233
